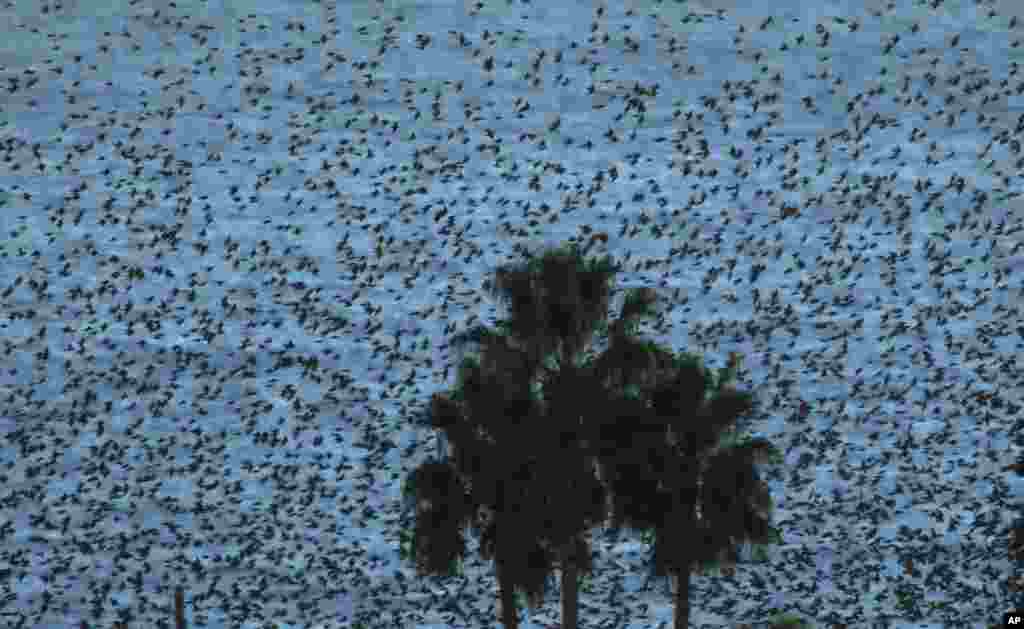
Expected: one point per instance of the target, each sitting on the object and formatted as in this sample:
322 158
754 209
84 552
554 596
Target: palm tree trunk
570 594
682 620
507 600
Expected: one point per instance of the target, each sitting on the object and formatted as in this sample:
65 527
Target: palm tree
482 489
671 469
557 302
547 442
521 474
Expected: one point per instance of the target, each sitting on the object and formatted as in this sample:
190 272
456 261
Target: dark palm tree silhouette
519 473
548 442
667 454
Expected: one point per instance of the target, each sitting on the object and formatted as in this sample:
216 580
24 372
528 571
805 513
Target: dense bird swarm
236 237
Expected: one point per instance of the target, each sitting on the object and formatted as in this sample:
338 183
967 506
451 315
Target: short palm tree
664 454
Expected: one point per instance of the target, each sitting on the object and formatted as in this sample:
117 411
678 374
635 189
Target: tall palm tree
521 474
481 488
669 467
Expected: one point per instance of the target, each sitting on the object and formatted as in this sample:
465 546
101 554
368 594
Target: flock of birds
166 365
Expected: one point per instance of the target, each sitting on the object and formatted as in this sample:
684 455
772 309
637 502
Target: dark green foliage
528 562
663 454
547 442
443 506
521 458
556 299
